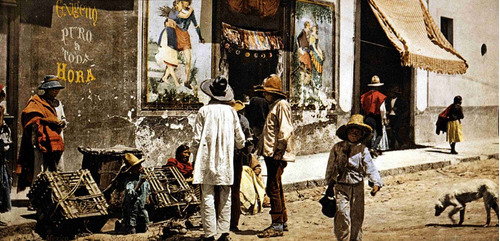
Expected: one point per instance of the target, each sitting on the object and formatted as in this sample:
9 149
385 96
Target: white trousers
215 220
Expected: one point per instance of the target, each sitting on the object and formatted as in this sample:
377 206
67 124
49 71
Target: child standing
349 162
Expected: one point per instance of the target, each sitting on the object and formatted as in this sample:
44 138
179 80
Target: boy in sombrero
349 163
137 189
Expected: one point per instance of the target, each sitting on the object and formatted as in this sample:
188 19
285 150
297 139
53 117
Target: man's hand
374 191
329 190
278 155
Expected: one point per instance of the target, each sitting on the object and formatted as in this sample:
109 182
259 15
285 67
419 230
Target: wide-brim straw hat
272 84
218 89
131 161
51 82
357 122
238 105
375 81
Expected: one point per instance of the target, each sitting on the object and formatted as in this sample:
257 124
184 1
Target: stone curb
291 187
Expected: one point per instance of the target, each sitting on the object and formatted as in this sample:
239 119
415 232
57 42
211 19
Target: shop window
447 28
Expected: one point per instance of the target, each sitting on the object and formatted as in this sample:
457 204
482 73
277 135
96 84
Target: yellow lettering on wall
71 75
60 9
61 71
74 76
90 76
79 76
75 9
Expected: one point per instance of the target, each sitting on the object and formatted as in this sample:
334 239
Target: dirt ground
402 210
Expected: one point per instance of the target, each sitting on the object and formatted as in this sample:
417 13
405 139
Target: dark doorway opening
379 57
250 68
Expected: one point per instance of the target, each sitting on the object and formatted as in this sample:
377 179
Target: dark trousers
51 160
235 191
395 122
375 122
274 189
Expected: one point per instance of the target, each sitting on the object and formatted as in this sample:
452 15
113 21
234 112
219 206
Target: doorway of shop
379 57
249 68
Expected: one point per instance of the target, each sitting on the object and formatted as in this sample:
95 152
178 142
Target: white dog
467 192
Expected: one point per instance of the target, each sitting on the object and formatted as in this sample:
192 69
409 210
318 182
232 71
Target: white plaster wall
346 55
474 23
421 89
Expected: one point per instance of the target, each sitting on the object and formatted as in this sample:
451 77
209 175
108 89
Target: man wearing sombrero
277 147
373 107
43 117
349 162
217 132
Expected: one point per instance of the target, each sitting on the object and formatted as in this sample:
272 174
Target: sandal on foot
268 233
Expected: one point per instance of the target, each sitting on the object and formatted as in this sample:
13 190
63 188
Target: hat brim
342 131
274 91
52 84
378 84
239 107
137 163
52 88
205 87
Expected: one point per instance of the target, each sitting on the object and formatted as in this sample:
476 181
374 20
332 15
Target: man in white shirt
217 132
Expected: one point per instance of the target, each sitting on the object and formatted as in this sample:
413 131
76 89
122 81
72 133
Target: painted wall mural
173 42
76 41
313 57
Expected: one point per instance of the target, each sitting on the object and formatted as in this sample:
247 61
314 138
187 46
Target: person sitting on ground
137 189
181 161
349 163
253 190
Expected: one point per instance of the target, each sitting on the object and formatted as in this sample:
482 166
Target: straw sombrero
355 121
132 160
375 81
238 105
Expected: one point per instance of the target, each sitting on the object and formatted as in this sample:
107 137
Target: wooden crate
104 163
68 201
169 188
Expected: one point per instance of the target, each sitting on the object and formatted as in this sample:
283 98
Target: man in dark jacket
397 109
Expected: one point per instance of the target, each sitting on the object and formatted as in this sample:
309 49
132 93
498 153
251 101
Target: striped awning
413 32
